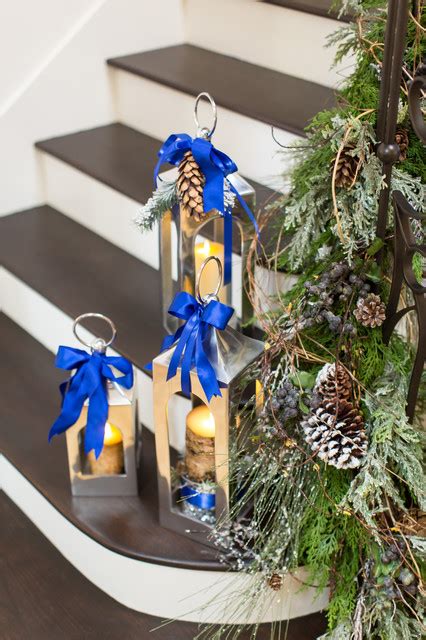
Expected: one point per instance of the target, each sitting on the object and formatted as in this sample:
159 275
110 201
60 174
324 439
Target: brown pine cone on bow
190 186
401 139
370 311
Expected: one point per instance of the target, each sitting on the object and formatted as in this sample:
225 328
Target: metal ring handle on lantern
98 344
205 132
210 296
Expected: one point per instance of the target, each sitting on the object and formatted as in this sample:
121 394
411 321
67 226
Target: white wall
65 87
28 32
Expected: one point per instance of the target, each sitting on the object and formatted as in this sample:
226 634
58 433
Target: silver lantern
194 490
199 240
114 473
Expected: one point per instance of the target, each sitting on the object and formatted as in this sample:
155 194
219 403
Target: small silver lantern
193 249
114 473
194 495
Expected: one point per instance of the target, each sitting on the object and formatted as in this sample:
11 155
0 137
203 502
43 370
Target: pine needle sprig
161 201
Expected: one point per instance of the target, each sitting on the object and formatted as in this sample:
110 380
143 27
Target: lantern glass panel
114 471
191 448
179 260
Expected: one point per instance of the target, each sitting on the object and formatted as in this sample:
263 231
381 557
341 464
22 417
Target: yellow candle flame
112 435
201 422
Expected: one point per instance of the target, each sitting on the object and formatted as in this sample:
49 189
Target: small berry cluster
389 581
335 286
285 401
281 408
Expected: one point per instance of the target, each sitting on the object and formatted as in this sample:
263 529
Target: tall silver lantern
194 486
191 252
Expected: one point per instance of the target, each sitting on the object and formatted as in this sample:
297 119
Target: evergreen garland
358 532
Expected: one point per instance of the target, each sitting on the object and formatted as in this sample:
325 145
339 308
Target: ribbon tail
72 404
227 224
181 346
97 416
205 372
188 361
246 208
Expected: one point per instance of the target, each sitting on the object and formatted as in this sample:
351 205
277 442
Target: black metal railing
405 245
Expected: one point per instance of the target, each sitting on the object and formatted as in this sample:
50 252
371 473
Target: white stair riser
51 327
159 111
98 207
165 592
292 42
110 214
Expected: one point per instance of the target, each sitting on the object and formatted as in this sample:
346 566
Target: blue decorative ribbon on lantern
89 382
215 166
198 499
191 339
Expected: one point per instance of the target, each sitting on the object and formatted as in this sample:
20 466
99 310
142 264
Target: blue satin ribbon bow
192 338
215 166
88 382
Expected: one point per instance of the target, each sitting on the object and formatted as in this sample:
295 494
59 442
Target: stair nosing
311 10
121 64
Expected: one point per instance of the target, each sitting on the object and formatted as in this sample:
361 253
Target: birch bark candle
111 460
200 435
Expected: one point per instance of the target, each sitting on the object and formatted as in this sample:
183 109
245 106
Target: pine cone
336 434
335 429
346 167
370 311
190 185
401 139
333 383
275 582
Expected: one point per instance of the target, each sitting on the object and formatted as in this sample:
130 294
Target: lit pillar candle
111 460
200 435
209 279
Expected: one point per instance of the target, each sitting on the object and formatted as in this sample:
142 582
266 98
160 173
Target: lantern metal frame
234 356
84 483
188 229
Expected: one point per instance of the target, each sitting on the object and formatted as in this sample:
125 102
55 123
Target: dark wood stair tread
322 8
278 99
43 597
30 402
78 271
118 156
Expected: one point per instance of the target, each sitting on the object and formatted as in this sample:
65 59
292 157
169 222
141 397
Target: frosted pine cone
190 185
334 382
370 311
337 435
335 428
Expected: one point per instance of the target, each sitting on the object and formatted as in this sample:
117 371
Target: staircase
78 251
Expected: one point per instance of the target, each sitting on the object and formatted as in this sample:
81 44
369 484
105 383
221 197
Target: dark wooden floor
42 597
